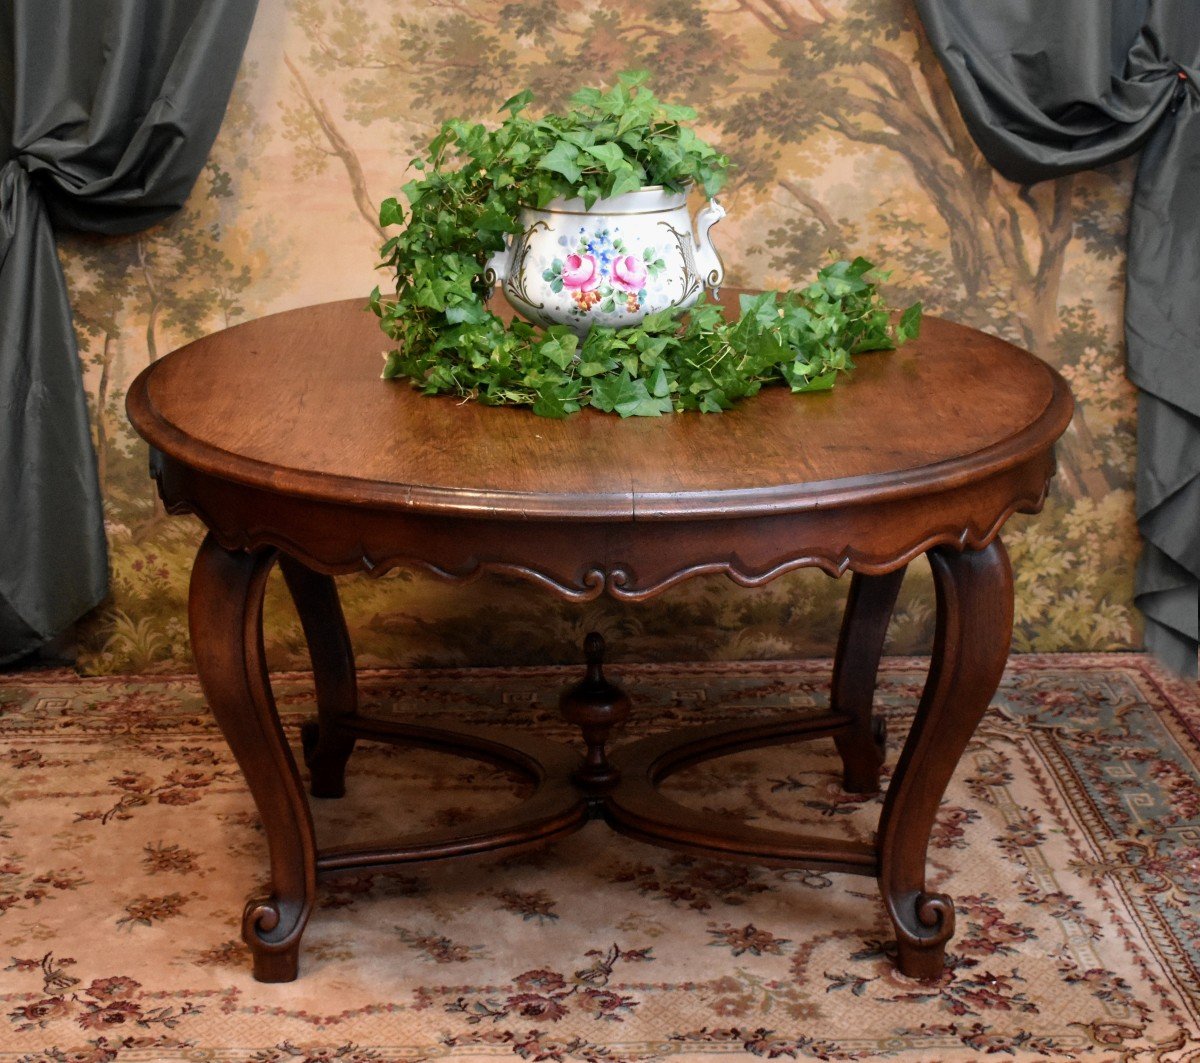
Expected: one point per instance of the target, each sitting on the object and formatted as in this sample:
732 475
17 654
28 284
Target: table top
293 403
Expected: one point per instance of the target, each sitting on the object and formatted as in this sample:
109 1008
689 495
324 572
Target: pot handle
496 270
708 262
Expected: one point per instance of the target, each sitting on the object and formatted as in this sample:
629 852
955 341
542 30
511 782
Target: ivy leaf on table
627 396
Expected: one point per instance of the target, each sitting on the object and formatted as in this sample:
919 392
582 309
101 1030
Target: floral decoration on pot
631 255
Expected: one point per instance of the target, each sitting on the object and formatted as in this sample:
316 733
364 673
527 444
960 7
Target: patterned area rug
1070 838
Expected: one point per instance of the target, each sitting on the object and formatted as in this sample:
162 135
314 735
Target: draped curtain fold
108 109
1048 89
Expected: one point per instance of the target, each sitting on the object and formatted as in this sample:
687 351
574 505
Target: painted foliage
846 139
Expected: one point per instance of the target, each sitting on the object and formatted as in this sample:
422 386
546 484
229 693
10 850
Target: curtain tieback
1181 89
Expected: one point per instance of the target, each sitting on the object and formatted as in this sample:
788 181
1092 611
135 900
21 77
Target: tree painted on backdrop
175 280
134 298
100 273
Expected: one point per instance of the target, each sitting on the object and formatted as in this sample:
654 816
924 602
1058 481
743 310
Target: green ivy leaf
818 383
390 213
607 392
392 365
588 98
610 155
514 105
762 308
494 220
559 349
550 406
628 180
910 324
563 158
466 312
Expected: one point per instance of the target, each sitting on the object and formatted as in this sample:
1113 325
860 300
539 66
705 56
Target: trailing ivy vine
467 200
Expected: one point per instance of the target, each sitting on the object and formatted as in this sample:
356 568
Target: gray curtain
1049 87
108 109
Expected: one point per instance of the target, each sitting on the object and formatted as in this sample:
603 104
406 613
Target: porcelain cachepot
629 256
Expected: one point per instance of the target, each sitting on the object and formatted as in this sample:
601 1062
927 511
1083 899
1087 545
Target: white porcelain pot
627 257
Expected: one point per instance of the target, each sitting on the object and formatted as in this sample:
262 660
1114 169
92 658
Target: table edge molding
1040 433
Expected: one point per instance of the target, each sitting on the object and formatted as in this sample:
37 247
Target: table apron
580 560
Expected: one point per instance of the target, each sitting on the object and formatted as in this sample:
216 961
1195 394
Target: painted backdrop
847 141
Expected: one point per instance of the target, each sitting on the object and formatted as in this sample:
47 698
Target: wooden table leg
974 627
225 615
860 645
326 746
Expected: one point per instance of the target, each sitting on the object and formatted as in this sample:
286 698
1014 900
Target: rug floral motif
1070 839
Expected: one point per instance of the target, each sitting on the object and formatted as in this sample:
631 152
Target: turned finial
596 706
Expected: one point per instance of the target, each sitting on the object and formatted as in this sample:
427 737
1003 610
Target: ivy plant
473 181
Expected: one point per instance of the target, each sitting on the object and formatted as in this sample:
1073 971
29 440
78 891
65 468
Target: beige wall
846 141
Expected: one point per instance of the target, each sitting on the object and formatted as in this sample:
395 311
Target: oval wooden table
279 435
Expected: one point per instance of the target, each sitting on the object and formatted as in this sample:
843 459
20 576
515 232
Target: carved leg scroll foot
225 615
860 646
272 928
326 746
974 626
924 923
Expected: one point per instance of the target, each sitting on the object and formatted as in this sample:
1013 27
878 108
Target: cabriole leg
860 646
326 746
225 615
974 627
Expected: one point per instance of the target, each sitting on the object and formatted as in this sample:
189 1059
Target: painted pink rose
629 273
579 271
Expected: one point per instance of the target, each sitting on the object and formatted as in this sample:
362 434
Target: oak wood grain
951 406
